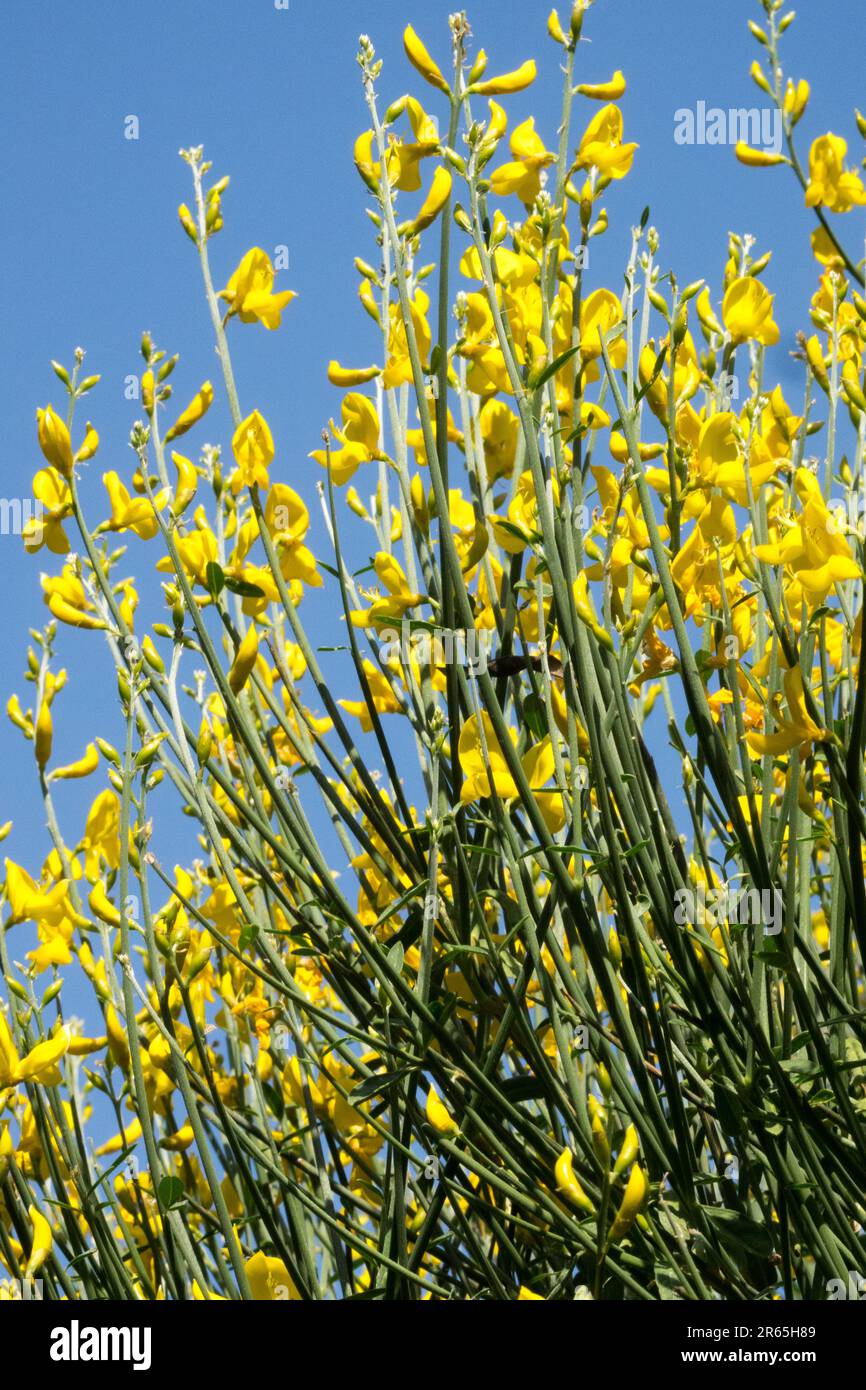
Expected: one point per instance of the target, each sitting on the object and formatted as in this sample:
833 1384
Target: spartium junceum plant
572 1008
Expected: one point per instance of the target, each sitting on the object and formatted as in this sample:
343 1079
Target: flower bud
204 742
756 72
44 735
245 660
554 28
568 1184
188 223
54 440
632 1202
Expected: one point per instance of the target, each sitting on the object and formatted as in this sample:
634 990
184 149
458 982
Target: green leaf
535 716
248 934
518 532
171 1192
245 590
553 367
274 1099
372 1085
214 579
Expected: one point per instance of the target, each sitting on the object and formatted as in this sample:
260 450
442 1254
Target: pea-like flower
250 294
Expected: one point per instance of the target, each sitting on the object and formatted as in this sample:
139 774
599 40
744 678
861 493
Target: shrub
572 1004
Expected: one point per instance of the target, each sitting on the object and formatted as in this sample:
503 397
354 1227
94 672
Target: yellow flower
500 430
568 1184
438 1115
635 1193
385 700
180 1141
399 598
484 774
89 445
250 291
43 735
440 191
358 438
101 843
124 1140
398 368
54 440
102 907
796 98
757 159
604 91
620 450
269 1279
67 600
799 730
523 174
831 185
421 60
521 527
509 82
814 552
245 659
351 376
253 449
705 313
42 1242
197 550
415 437
555 29
747 310
49 906
51 490
721 463
600 313
40 1064
187 483
30 901
628 1151
198 406
129 513
601 146
404 156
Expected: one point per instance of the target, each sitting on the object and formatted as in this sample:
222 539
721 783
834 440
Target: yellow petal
42 1242
635 1192
420 59
43 1057
198 406
438 1116
757 159
83 768
604 91
515 81
350 376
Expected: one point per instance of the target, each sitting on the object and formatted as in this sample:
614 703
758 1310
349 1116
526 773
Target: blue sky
93 253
